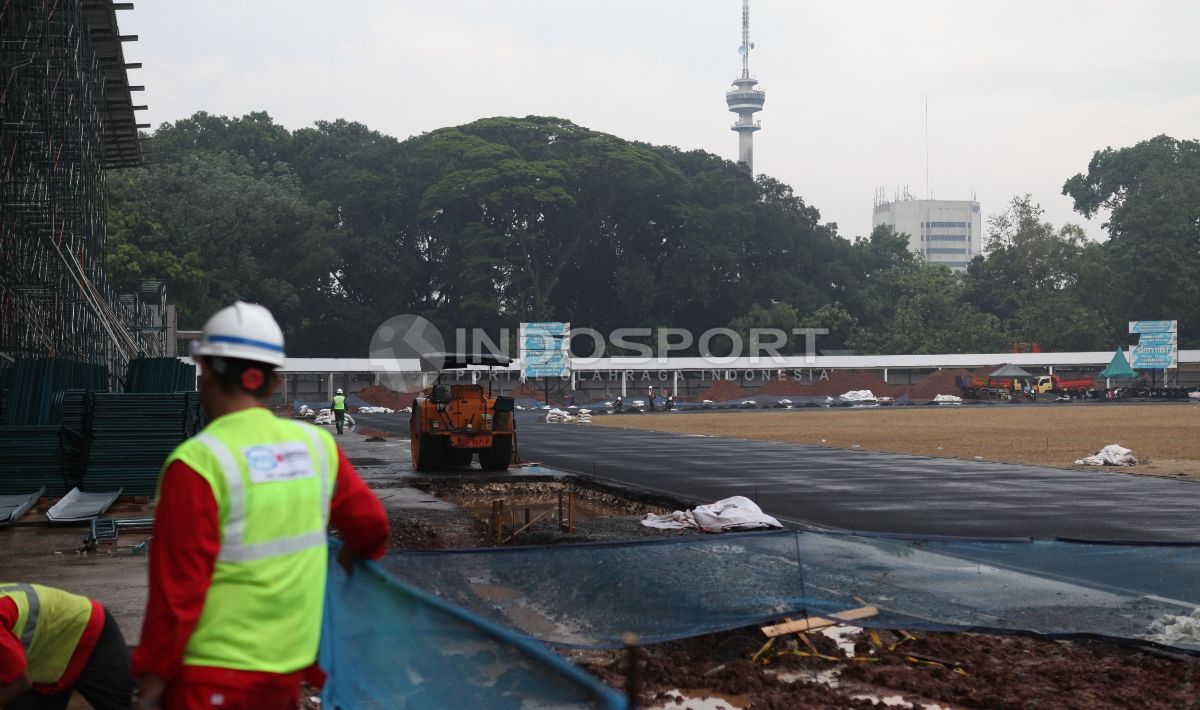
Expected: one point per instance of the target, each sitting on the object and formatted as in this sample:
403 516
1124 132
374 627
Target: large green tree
1151 194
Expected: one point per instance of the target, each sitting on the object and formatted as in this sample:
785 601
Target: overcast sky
1020 93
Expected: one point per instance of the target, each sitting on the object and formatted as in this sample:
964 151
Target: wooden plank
813 623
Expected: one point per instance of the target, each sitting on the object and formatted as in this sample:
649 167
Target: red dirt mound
784 388
940 382
722 391
380 396
838 382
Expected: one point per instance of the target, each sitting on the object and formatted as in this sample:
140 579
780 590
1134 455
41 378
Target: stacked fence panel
160 374
131 436
31 457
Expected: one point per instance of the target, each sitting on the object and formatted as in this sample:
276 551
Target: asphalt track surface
870 491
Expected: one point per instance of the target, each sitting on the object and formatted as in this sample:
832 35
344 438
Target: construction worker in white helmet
238 562
339 410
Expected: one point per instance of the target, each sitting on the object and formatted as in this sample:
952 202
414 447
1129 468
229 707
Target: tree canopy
337 228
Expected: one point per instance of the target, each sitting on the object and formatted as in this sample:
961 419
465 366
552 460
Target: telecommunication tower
744 99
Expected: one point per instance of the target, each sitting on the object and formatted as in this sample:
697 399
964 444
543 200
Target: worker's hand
346 559
151 689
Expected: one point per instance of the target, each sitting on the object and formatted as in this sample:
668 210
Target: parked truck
1081 386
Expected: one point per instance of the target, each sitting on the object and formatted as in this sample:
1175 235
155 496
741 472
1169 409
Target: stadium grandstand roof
121 145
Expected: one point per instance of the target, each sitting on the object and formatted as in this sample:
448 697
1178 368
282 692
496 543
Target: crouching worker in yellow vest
53 644
237 567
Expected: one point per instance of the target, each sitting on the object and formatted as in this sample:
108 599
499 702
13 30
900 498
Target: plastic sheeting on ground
858 396
948 399
1111 455
588 595
736 513
387 645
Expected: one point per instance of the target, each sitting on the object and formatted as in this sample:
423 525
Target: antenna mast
746 39
928 193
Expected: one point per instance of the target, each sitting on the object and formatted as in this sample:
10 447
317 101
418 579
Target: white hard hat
244 330
339 390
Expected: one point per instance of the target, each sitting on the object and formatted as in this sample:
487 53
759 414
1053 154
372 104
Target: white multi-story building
945 232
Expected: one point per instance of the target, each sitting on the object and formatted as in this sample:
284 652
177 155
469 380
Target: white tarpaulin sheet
858 396
736 513
1111 455
948 399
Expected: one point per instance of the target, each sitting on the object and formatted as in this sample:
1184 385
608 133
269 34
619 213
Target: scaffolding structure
67 117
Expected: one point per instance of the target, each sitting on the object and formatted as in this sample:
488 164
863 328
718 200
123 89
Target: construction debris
1111 455
736 513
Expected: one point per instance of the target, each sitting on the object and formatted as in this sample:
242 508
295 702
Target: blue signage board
545 349
1153 326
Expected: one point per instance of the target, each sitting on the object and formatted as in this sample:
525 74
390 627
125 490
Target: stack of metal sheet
160 374
131 436
31 457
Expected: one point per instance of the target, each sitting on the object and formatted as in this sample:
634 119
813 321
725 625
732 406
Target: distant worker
53 644
619 403
237 570
650 396
668 399
339 409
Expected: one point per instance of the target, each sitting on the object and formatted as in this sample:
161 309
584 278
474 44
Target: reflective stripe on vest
50 623
32 611
233 547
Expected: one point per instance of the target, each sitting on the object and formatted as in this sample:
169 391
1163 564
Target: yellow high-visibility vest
272 480
339 402
50 623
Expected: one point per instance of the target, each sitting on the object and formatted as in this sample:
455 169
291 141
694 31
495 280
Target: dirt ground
718 670
1162 436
